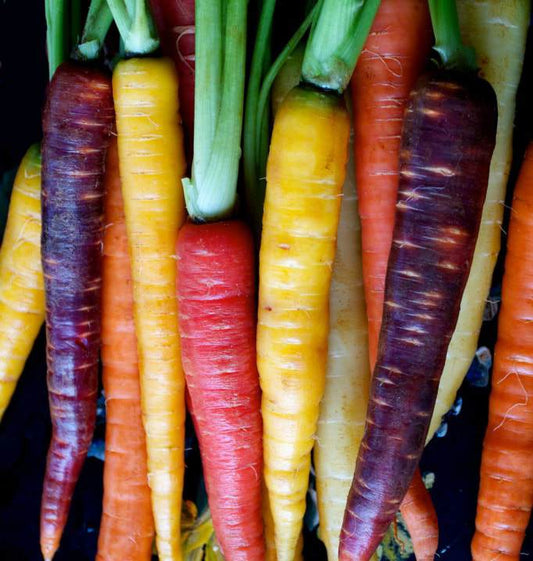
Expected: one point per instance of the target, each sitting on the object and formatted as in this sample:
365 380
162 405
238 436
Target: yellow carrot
152 162
21 275
497 30
343 408
305 173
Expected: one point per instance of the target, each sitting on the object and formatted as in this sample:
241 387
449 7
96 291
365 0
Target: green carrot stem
135 26
254 128
56 34
211 193
336 40
97 25
448 43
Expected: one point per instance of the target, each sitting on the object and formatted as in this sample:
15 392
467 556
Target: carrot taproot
305 172
447 142
217 326
498 31
506 475
175 23
386 72
343 407
77 123
152 163
216 291
421 519
127 527
21 275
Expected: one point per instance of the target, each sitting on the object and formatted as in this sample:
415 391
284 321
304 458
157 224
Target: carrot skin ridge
447 143
216 294
127 526
175 23
506 475
21 276
77 122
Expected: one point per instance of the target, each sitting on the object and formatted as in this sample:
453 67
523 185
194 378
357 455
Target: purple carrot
447 143
77 122
175 23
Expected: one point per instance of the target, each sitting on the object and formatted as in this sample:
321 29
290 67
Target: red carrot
77 122
216 292
447 142
175 23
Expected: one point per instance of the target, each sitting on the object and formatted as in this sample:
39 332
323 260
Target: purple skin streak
447 143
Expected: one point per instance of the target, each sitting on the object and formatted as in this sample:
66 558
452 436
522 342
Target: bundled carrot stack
379 221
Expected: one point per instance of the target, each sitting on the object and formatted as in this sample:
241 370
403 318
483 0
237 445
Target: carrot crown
448 44
336 40
135 25
97 25
211 192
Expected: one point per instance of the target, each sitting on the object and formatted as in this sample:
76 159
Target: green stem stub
336 40
56 33
448 44
211 193
135 26
97 25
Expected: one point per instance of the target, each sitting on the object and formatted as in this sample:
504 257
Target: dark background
25 430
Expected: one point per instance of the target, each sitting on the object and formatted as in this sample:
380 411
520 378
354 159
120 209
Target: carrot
506 484
498 31
127 527
216 290
21 275
343 407
421 519
386 72
152 162
175 23
305 172
217 325
77 122
443 181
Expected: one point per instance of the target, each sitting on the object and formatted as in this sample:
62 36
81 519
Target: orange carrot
386 71
127 527
506 476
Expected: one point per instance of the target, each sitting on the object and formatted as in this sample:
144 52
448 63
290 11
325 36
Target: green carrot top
336 41
448 43
211 192
135 25
62 17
